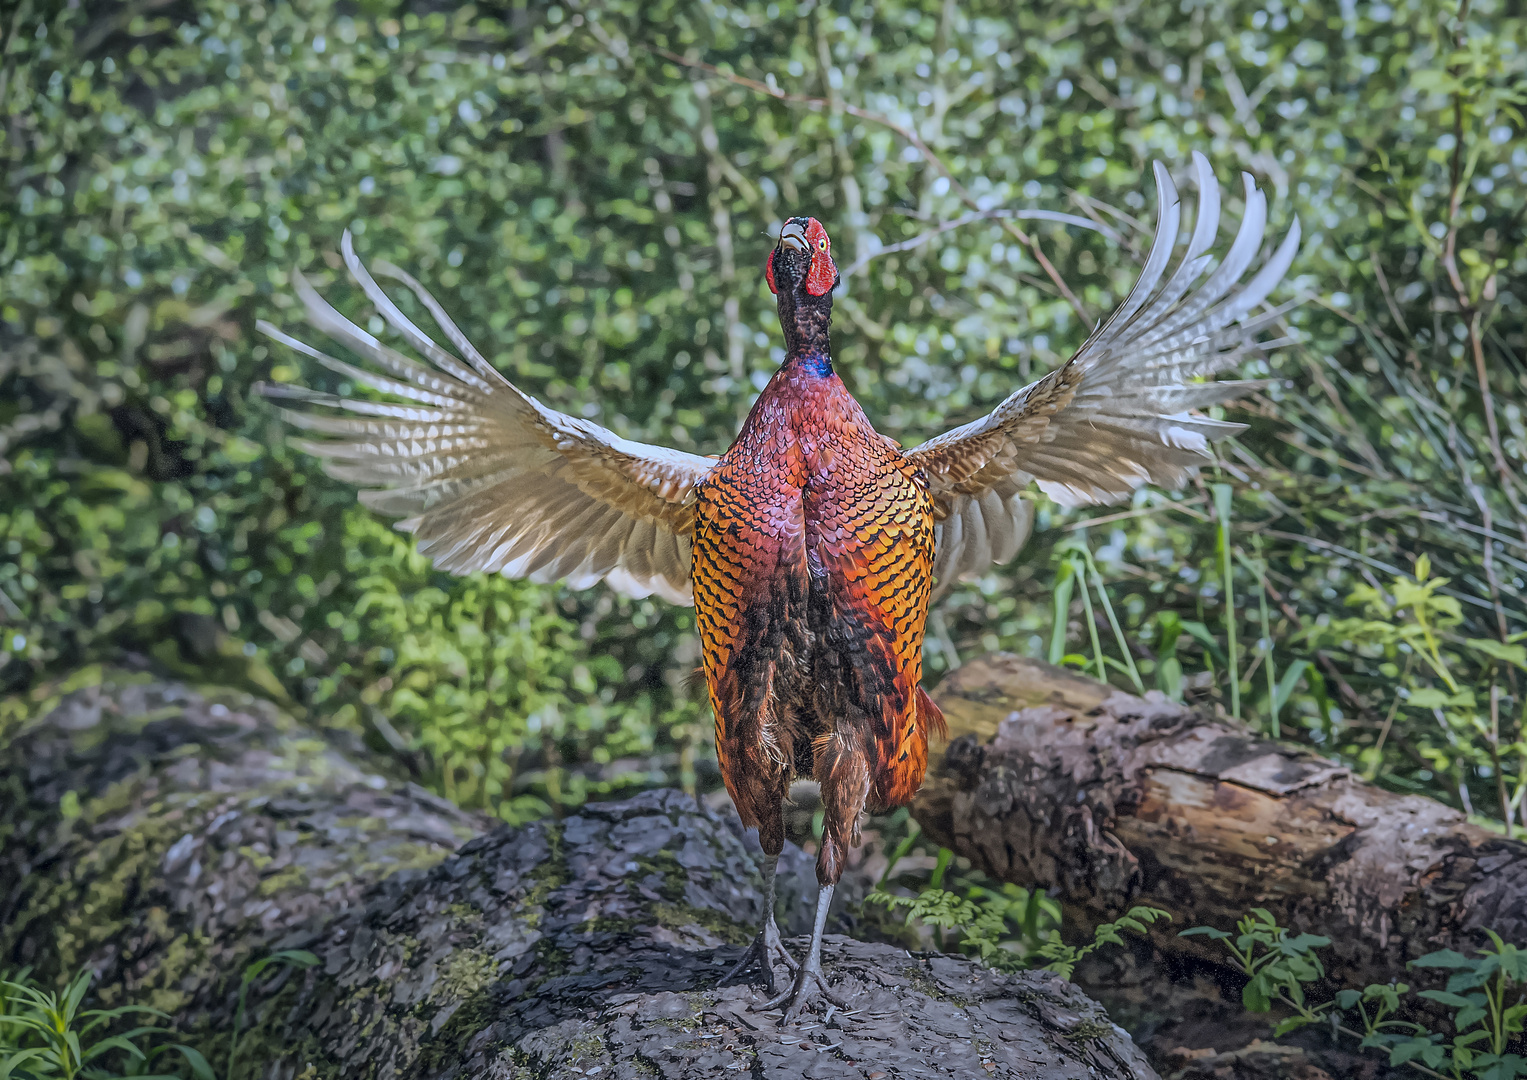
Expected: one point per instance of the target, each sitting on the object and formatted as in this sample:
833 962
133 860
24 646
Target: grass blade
1118 631
1222 493
1065 582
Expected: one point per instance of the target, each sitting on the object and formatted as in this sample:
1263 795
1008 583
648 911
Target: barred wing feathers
1121 412
486 477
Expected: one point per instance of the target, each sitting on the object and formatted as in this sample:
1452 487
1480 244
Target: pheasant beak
793 235
804 236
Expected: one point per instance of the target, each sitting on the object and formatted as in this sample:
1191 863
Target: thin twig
1030 242
1394 707
984 215
1394 308
1494 744
1488 556
1142 512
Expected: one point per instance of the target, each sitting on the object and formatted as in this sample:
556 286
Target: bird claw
767 949
810 984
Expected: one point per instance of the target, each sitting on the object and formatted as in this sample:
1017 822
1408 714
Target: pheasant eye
822 244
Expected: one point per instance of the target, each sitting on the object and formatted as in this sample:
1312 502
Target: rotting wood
1061 782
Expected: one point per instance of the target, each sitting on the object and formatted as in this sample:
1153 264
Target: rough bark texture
1062 782
165 837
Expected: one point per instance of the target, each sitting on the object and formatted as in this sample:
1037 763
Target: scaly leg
809 981
767 948
842 770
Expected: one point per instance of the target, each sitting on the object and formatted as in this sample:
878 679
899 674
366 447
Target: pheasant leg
810 983
767 948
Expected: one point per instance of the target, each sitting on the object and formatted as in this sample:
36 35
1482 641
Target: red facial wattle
769 274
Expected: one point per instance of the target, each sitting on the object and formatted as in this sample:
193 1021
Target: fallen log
1060 782
165 837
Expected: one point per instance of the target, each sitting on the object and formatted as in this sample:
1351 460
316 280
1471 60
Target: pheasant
812 548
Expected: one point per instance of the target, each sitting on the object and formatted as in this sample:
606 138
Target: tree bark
1059 782
165 838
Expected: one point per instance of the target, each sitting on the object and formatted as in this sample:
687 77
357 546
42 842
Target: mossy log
1064 783
165 837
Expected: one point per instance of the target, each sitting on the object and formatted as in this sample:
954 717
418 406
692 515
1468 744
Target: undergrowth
49 1035
1485 995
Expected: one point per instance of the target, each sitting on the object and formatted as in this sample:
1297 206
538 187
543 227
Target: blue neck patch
815 362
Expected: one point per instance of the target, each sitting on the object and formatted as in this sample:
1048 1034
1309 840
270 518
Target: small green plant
1485 990
1412 612
45 1035
1277 966
1064 958
1003 925
297 958
1007 928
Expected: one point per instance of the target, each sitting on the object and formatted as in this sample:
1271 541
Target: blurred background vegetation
595 210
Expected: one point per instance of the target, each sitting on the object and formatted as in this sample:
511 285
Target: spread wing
484 475
1120 413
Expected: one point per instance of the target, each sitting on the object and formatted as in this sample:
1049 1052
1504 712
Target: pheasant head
801 274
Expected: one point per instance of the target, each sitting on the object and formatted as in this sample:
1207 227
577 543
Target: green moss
586 1046
185 960
258 860
90 906
603 925
550 875
465 972
925 985
666 866
119 797
644 1066
682 916
292 878
1090 1030
554 960
670 912
267 1038
400 856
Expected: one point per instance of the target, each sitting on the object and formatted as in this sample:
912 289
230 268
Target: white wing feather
486 477
1121 412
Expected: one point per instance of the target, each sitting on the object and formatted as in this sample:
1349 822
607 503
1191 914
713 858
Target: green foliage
595 214
1485 992
45 1035
1409 617
1075 563
1277 966
1005 927
1064 958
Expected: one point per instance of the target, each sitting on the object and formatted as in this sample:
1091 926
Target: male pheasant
812 547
